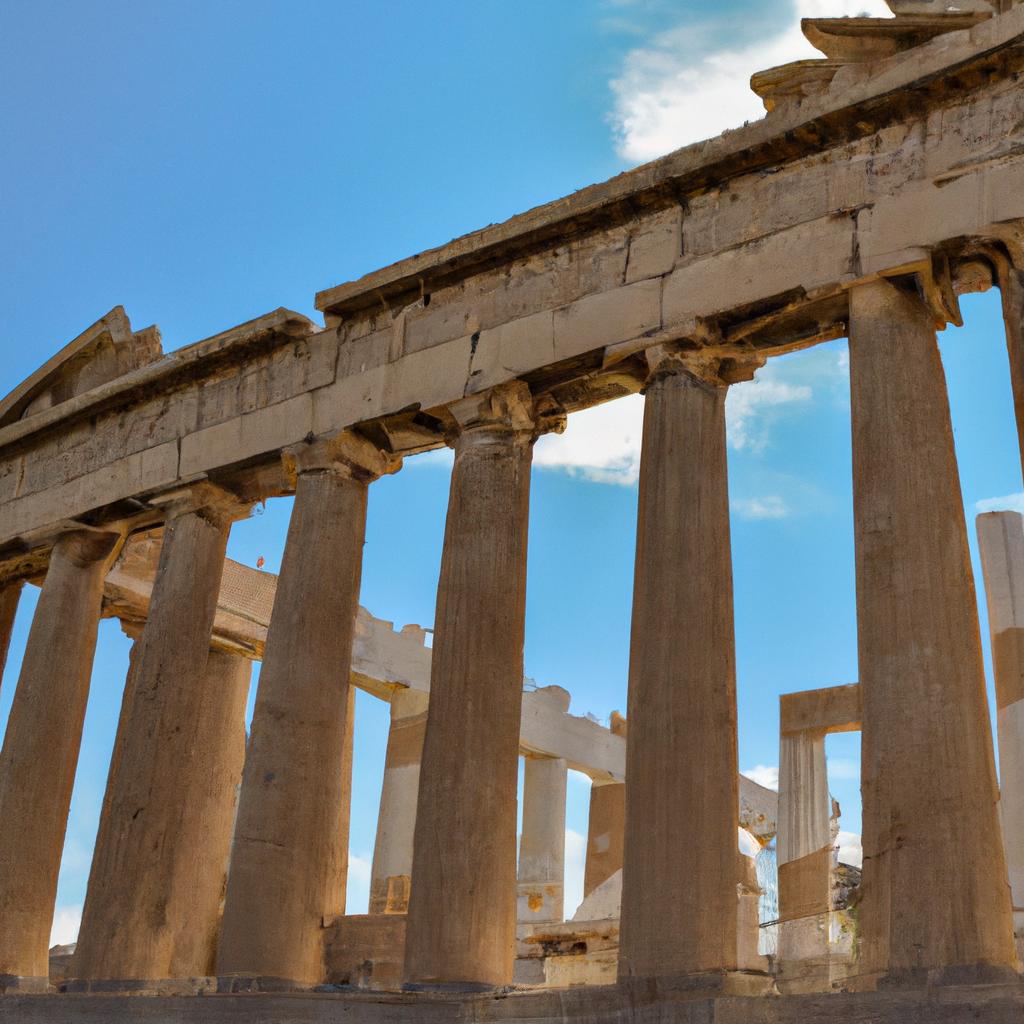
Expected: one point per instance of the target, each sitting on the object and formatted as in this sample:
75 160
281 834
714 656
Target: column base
228 984
453 987
140 986
700 985
23 983
945 977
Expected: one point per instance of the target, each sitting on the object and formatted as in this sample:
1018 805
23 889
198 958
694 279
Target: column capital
215 504
715 368
347 454
84 545
508 409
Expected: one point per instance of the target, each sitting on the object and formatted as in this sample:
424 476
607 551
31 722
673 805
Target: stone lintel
830 710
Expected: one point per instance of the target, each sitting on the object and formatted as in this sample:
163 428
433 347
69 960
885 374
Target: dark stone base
630 1004
19 983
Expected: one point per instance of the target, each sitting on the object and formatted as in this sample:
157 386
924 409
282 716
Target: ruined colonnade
885 182
144 916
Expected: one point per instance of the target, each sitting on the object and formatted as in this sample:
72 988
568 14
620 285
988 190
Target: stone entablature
748 241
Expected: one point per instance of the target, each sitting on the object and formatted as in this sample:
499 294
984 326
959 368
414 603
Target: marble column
290 848
541 885
1001 540
680 862
10 595
40 750
1011 287
462 911
606 827
156 880
804 846
391 873
928 775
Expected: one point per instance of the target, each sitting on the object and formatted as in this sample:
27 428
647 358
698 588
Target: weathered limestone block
462 912
290 850
655 246
679 908
40 751
157 873
396 820
929 787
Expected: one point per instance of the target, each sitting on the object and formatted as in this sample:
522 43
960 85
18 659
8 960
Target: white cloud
575 865
603 443
769 507
1008 503
66 921
357 894
850 851
600 444
670 93
764 775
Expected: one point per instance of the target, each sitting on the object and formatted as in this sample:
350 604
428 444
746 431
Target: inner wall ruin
886 180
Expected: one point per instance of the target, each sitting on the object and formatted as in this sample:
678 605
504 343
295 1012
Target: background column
461 926
291 837
606 827
928 775
40 751
155 886
804 847
542 844
391 873
1001 540
681 862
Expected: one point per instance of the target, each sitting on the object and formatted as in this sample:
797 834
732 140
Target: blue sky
204 163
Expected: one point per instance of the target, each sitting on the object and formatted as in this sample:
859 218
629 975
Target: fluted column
10 595
928 775
40 750
1011 287
606 826
805 851
462 913
1001 540
290 845
391 873
156 880
680 862
541 891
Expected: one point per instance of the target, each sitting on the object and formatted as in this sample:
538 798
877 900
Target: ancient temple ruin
886 180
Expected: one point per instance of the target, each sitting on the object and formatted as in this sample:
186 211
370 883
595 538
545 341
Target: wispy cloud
603 444
1007 503
674 90
845 769
769 507
764 775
